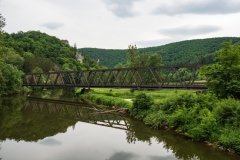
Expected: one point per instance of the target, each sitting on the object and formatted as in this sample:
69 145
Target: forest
184 52
34 51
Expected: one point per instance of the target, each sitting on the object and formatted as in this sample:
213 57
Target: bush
205 126
142 103
228 112
170 105
230 138
157 119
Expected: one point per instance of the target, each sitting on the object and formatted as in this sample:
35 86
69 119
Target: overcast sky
114 24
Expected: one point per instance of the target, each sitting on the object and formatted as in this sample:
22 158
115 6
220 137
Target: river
33 128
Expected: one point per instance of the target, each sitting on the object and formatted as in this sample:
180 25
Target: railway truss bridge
177 77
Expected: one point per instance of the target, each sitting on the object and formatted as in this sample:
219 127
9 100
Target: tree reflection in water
35 119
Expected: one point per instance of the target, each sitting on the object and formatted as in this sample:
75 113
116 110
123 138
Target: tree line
184 52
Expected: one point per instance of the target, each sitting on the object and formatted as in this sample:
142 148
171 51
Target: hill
184 52
34 51
46 52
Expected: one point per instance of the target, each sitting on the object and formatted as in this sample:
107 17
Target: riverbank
201 117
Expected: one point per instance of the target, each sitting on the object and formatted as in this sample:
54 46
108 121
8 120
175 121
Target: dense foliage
107 57
223 76
198 116
47 52
185 52
201 117
33 51
141 104
10 66
135 59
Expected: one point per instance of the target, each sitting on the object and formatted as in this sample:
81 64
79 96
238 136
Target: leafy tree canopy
2 22
223 76
135 59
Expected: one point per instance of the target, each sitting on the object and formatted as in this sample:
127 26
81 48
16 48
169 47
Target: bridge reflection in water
76 110
41 120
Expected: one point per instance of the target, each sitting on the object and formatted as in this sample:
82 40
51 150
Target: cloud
53 25
178 34
155 42
121 8
50 142
124 155
199 7
162 157
189 30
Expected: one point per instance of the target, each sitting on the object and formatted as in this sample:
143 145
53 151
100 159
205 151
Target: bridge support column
84 90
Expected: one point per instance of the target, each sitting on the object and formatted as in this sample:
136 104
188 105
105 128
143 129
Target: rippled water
40 129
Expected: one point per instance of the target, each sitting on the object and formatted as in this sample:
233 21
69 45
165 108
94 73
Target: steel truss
147 77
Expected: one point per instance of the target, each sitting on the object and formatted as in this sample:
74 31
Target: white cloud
117 23
121 8
189 30
53 25
199 7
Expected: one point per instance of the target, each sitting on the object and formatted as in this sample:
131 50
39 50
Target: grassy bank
199 116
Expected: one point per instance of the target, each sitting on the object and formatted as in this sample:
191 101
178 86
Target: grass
198 116
125 94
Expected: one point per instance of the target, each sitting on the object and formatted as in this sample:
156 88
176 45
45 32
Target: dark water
45 129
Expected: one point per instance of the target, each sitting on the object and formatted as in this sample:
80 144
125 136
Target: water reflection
50 142
123 155
43 121
78 111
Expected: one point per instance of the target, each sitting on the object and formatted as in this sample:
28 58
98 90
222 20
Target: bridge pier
84 90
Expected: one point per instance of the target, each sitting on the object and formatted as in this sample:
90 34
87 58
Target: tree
223 78
2 22
119 65
10 79
10 66
154 60
135 59
132 56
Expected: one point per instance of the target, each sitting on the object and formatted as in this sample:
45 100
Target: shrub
178 101
230 138
157 119
228 112
205 126
142 103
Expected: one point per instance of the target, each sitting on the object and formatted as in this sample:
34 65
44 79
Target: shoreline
166 126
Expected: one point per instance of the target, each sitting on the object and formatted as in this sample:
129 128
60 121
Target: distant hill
184 52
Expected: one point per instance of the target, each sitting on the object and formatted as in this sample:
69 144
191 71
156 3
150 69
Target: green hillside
33 51
46 52
184 52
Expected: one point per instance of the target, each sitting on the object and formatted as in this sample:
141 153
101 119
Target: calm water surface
40 129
